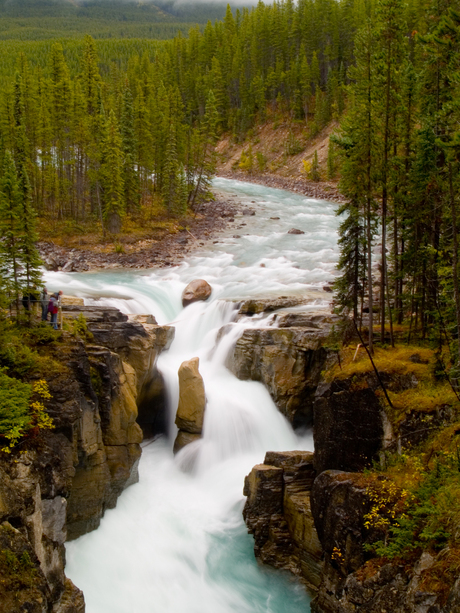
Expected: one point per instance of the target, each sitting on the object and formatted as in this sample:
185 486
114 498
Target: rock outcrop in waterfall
192 404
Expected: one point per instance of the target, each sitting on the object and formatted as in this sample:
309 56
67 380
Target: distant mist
160 3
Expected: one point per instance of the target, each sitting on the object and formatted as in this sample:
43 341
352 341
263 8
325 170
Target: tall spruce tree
11 231
111 173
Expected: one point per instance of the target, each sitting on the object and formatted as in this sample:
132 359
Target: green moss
96 382
430 392
17 570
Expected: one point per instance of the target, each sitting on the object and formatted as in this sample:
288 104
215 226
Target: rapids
176 543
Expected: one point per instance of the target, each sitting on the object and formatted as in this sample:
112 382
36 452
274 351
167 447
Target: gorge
185 529
167 533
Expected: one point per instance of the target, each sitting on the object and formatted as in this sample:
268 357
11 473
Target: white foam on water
176 543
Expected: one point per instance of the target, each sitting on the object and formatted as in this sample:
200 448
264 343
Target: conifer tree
358 147
203 167
111 173
129 148
389 54
11 230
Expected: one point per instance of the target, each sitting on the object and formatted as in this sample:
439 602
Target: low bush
22 411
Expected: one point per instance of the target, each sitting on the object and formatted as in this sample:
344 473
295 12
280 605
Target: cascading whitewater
176 541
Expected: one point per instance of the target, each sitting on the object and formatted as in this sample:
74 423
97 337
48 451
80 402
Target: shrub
80 328
246 163
314 174
18 414
15 418
261 161
293 145
44 334
429 518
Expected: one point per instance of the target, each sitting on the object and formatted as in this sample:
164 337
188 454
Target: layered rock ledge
287 359
277 512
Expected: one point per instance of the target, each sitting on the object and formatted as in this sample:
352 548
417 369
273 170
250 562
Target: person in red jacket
53 308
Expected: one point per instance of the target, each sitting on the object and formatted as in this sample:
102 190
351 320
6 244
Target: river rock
142 319
183 439
93 313
192 404
295 231
72 300
254 306
196 290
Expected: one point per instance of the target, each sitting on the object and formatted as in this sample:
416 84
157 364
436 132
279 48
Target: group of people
49 303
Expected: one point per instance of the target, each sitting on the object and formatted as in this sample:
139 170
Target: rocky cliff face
288 359
277 513
321 531
60 487
350 582
349 426
314 527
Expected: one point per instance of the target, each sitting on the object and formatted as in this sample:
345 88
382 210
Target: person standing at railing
54 305
44 301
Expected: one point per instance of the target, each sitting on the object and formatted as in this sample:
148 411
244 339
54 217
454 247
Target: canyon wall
309 512
287 359
60 486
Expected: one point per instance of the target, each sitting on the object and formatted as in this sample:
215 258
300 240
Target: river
176 542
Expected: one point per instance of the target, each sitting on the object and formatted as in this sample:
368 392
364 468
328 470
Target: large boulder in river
196 290
192 403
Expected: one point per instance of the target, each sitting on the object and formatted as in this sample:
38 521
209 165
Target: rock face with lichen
277 512
351 581
192 404
59 487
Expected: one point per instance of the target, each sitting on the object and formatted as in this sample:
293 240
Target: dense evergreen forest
31 20
400 171
97 130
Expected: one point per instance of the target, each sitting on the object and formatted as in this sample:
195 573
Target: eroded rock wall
350 581
277 513
288 361
59 487
349 426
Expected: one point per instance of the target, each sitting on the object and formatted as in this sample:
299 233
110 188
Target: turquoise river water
176 542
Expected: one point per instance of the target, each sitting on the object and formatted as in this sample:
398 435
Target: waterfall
176 542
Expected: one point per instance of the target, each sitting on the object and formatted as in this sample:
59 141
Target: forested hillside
107 134
30 20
